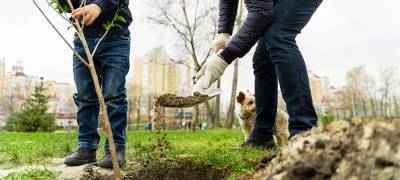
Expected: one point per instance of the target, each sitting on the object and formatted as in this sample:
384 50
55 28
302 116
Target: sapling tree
78 26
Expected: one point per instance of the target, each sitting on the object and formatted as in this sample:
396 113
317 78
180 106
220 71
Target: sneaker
81 157
106 160
257 143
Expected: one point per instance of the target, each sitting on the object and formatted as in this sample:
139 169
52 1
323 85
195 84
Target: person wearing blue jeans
277 57
112 65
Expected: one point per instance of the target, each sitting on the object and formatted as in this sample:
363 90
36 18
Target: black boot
81 157
106 160
258 143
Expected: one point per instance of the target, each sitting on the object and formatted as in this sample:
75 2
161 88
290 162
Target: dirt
172 100
185 169
348 151
165 169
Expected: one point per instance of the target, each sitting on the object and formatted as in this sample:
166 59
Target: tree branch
104 35
62 37
63 17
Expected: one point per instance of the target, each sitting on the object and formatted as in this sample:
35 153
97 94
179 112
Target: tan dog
248 115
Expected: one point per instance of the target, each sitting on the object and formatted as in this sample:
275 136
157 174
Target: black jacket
108 9
258 18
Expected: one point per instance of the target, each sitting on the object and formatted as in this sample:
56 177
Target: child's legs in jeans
86 101
114 57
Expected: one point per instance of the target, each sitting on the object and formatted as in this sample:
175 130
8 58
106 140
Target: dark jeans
112 65
278 57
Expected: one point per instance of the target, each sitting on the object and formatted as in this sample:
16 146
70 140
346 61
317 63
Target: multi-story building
61 101
321 91
155 74
2 76
18 87
2 91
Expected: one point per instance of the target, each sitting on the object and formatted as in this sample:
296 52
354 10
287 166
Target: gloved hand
220 41
211 71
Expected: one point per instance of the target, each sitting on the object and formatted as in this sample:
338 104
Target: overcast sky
341 35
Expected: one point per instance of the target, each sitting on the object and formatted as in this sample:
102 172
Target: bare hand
89 12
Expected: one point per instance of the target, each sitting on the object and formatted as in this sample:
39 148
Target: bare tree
195 29
388 78
89 63
372 96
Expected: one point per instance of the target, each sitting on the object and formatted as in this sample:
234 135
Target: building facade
153 75
16 87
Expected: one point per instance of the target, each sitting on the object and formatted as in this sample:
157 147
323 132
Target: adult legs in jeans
283 57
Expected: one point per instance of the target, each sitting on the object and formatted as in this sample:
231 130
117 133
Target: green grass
212 146
32 175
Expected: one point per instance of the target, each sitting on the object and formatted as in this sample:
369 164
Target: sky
341 35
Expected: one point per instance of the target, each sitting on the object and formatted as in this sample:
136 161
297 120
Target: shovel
195 100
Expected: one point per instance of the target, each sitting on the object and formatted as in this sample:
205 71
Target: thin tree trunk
195 117
138 114
231 111
217 106
373 108
211 115
103 107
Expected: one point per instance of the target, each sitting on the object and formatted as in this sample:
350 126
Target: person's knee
111 94
114 96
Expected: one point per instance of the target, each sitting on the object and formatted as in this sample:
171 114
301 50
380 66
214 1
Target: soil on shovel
174 101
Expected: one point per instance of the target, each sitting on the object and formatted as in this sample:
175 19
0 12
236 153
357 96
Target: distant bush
326 119
33 117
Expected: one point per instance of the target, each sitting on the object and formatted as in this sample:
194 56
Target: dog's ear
240 97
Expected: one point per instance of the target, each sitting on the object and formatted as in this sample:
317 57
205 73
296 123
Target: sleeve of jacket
107 5
258 18
227 15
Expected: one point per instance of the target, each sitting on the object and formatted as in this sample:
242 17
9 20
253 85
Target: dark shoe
106 160
81 157
257 143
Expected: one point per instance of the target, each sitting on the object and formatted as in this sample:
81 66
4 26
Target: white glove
220 41
211 72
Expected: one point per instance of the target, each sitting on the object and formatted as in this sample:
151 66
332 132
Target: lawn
211 146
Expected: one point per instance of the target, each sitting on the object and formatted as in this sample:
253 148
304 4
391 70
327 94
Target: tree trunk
373 108
364 107
138 114
217 106
195 118
396 106
211 115
231 111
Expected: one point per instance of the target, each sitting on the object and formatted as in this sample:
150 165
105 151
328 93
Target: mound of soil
348 151
172 100
184 169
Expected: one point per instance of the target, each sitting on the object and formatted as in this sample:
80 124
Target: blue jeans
278 57
112 65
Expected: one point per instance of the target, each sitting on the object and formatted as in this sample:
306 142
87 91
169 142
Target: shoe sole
80 162
109 165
